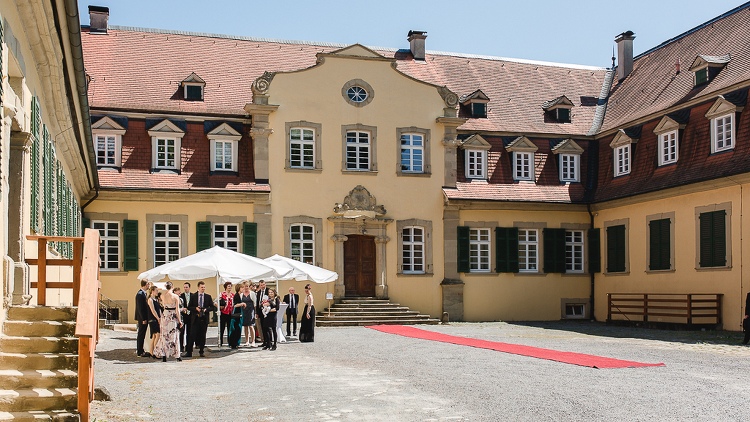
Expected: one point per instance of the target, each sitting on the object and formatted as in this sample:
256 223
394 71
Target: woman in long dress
235 324
168 344
307 326
270 311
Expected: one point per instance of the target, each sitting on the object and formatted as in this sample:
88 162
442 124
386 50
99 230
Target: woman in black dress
270 308
235 324
154 315
307 326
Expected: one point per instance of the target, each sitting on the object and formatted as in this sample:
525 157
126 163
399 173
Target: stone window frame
152 219
727 208
426 153
491 225
584 227
110 217
428 259
539 227
576 168
620 222
317 129
518 156
226 219
362 84
317 224
661 216
358 127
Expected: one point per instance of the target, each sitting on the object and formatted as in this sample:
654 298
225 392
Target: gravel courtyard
359 374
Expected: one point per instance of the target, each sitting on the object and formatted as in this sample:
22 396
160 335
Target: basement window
575 310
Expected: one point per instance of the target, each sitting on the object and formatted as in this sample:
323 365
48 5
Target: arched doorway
359 265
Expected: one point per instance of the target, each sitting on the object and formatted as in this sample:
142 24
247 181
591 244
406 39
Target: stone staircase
38 364
369 311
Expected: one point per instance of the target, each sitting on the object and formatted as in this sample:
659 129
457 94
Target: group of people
178 320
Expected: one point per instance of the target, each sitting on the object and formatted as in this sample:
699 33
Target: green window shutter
713 247
659 244
506 249
464 265
130 245
85 224
202 235
554 250
250 239
595 253
35 156
616 249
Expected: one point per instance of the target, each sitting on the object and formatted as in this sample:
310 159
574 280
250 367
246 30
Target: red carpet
516 349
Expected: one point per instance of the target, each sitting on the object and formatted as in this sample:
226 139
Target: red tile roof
653 85
139 69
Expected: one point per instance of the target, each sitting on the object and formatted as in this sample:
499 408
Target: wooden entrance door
359 265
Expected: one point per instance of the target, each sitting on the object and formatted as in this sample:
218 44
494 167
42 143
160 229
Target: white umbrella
216 262
299 271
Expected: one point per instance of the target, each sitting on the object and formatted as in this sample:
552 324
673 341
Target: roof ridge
339 45
697 28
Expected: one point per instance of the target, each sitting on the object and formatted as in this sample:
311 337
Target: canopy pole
218 312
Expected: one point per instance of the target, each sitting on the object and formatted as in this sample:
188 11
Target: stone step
42 313
353 323
39 328
14 379
364 301
37 361
356 317
15 344
347 306
40 415
367 312
38 399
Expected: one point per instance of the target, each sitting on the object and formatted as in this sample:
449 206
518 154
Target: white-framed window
357 150
166 153
479 250
668 147
570 167
523 165
476 164
528 250
622 160
413 250
108 149
412 152
574 251
722 133
193 91
224 153
166 243
302 242
302 148
109 244
227 236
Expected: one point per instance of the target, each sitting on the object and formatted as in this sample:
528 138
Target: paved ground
358 374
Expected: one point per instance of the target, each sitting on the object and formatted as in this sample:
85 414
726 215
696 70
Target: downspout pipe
591 273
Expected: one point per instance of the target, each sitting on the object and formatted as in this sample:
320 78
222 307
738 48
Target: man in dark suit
291 312
141 316
201 304
260 295
186 335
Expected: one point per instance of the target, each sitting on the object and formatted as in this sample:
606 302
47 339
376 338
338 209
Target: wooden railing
85 287
87 321
42 262
680 308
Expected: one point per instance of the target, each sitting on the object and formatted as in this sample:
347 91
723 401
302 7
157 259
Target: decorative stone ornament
261 85
359 203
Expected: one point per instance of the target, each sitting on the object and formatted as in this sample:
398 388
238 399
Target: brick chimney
624 54
416 44
98 18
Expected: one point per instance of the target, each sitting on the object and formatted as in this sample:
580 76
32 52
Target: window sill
412 275
572 274
413 174
224 173
303 170
617 274
721 151
671 270
362 172
109 168
704 269
483 273
165 171
526 273
114 272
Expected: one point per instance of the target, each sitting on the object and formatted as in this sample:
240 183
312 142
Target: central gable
357 50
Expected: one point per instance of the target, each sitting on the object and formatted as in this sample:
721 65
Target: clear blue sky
574 31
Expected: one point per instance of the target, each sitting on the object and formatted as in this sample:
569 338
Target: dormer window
723 124
475 154
166 142
706 68
522 150
622 146
193 88
107 134
568 153
668 132
224 148
475 104
558 110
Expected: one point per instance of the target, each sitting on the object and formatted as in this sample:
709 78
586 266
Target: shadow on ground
595 328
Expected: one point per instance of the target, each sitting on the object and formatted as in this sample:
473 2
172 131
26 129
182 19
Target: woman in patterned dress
171 321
